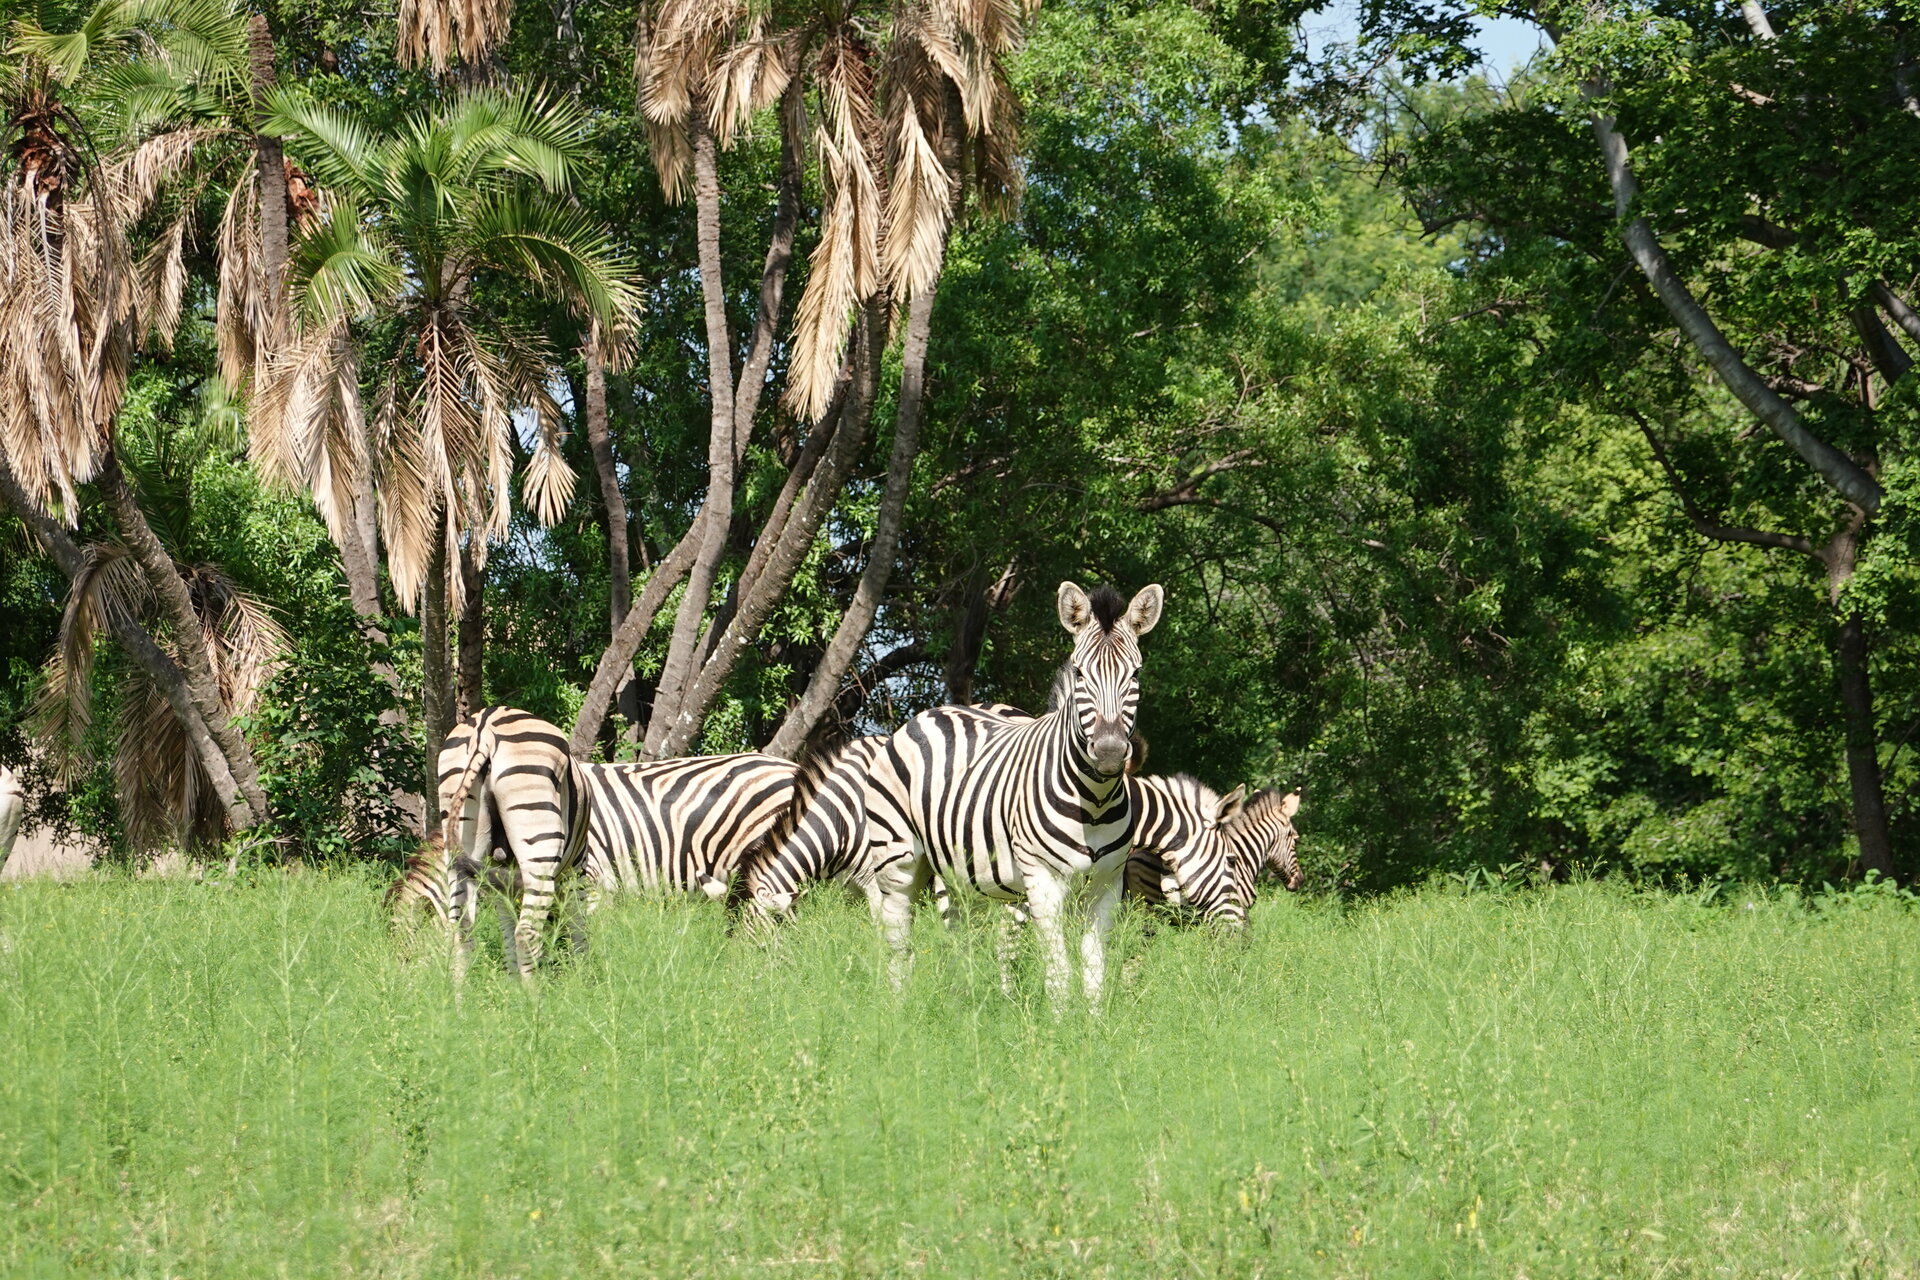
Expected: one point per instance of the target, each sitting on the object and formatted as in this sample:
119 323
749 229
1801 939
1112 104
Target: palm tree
166 797
75 298
413 223
910 97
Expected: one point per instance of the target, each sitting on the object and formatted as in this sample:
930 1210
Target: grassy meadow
250 1080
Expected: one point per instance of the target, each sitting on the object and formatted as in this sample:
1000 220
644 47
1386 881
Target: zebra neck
1099 796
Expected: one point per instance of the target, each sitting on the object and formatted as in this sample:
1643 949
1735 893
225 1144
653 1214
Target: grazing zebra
13 808
681 824
1182 852
506 781
1026 809
823 834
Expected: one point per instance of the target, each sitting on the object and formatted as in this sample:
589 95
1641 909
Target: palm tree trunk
436 675
473 633
716 513
202 685
271 173
824 688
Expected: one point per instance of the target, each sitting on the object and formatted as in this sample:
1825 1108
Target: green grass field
204 1081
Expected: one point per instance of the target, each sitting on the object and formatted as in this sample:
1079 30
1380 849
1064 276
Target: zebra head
1202 865
1099 689
1264 839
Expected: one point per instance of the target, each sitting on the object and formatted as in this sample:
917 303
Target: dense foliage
1359 368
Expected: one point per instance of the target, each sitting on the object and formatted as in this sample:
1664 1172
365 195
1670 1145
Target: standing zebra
681 824
506 781
1015 809
13 807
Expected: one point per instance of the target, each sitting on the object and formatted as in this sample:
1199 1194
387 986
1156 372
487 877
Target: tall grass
208 1081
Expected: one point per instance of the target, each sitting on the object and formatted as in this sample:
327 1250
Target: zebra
1264 840
1183 854
823 834
504 776
13 807
1013 809
680 825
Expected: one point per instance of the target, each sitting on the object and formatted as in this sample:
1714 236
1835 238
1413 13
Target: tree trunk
202 684
436 676
1846 477
616 664
716 513
1863 748
969 634
271 174
473 632
613 503
601 442
140 646
824 688
676 734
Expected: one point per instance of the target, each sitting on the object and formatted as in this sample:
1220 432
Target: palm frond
334 144
844 267
559 248
240 307
163 280
433 33
341 268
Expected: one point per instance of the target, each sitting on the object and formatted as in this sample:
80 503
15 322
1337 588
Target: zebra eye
1078 674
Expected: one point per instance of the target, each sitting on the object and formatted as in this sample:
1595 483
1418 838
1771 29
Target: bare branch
1704 524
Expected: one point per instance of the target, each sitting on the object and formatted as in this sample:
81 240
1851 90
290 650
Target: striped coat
1182 855
1027 809
681 825
513 813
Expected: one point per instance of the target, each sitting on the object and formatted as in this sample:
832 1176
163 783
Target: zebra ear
1290 806
1231 802
1144 611
1076 611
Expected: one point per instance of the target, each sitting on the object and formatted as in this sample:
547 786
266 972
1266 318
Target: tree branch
1185 492
1704 524
1846 477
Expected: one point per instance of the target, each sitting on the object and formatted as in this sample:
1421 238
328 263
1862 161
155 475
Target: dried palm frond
163 280
306 430
845 266
109 585
407 496
435 32
677 45
240 305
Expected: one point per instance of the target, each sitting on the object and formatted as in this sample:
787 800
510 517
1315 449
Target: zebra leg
1046 901
1012 922
897 886
1104 887
463 904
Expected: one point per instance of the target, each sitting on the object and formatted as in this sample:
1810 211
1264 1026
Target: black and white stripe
512 807
680 825
1182 856
1265 842
1027 809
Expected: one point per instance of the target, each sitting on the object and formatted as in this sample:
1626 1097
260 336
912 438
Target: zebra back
684 824
822 834
1181 855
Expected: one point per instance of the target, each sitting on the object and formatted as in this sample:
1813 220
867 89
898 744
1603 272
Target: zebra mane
1061 693
1108 606
1268 800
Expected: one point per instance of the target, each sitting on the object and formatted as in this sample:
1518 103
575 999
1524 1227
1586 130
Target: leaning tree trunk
203 686
823 689
613 503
